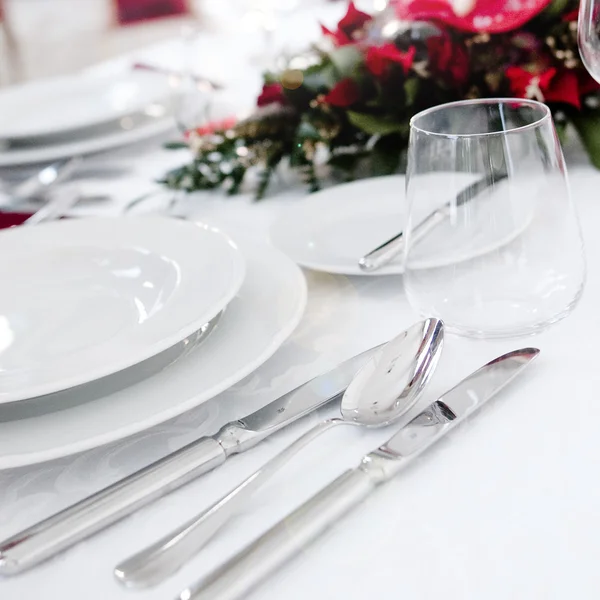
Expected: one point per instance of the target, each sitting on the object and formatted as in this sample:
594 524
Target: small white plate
257 321
334 228
62 104
86 298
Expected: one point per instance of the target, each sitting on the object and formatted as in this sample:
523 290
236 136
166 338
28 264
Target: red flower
343 94
378 58
564 87
271 93
212 127
491 16
349 28
572 15
448 60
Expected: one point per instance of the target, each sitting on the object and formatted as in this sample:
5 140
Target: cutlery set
376 388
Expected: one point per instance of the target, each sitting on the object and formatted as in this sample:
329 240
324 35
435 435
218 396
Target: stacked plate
110 326
68 116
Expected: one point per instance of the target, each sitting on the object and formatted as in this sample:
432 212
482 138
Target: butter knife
287 538
62 530
386 252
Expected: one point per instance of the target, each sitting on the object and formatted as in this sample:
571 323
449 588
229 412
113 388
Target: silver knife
60 531
382 255
288 537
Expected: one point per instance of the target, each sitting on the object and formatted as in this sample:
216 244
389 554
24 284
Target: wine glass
493 243
588 35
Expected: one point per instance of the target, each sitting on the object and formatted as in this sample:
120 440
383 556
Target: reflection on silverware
382 391
59 532
287 538
384 254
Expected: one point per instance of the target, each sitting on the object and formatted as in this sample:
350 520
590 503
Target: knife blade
386 252
81 520
287 538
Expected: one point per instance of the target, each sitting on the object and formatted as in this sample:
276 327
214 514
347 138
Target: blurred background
45 38
53 37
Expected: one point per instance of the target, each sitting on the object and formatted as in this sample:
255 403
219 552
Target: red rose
448 60
490 16
349 28
343 94
378 58
271 93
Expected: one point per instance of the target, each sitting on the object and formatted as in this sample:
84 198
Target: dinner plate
266 310
64 104
82 299
334 228
105 138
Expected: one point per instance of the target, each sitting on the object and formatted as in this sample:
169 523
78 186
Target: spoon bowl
392 382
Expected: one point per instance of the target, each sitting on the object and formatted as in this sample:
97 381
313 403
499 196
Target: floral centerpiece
354 93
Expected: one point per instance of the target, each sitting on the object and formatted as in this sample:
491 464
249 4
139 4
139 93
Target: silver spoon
382 391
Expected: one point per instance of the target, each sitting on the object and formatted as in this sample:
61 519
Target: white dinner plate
85 298
334 228
266 310
64 104
110 138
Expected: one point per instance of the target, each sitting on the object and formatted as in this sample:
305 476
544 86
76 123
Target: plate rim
101 143
139 77
252 249
237 277
315 198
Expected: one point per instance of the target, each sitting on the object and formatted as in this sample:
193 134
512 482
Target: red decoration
448 60
350 28
343 94
379 57
488 16
213 127
271 93
135 11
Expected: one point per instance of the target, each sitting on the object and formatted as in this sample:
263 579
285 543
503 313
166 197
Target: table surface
505 507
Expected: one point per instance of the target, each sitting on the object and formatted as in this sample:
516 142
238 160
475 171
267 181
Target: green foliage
587 124
369 128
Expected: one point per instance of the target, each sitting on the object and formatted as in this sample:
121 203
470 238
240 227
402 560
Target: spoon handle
286 539
157 562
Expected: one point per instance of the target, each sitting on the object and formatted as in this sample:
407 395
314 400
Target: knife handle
286 539
62 530
385 253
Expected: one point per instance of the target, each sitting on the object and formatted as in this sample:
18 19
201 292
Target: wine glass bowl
506 257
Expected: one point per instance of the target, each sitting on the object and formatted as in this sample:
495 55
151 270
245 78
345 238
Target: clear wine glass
493 242
588 35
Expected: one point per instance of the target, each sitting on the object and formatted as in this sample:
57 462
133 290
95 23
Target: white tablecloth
505 507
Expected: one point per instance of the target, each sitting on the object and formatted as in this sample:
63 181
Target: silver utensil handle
54 208
383 254
154 564
389 250
47 538
286 539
